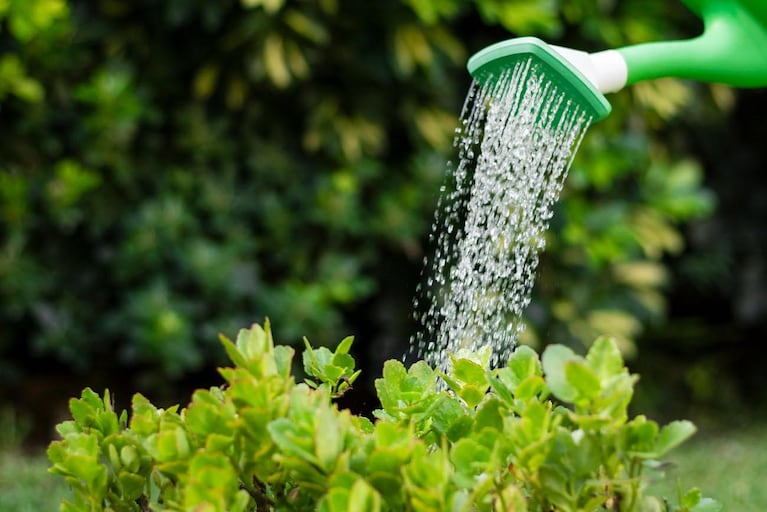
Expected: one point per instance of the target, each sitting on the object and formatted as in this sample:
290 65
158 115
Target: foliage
730 481
172 169
539 435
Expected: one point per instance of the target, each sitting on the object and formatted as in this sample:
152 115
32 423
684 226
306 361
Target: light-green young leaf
554 359
672 435
605 358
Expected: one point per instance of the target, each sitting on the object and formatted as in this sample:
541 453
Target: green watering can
732 50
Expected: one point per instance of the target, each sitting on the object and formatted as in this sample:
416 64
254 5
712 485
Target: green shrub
172 169
549 434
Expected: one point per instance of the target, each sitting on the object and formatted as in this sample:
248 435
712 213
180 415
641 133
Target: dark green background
171 170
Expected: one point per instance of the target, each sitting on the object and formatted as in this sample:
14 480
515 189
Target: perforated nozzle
491 62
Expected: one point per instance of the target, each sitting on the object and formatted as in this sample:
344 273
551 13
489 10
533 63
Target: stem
258 492
143 502
634 474
499 488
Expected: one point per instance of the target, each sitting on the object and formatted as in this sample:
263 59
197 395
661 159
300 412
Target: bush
550 434
172 169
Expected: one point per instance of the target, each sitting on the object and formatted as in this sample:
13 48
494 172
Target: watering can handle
732 49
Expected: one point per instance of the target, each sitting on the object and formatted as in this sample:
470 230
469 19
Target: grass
26 486
730 467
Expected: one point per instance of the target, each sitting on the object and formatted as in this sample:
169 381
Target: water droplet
515 144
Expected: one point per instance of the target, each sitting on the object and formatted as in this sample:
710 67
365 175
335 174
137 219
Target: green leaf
530 387
344 346
555 482
639 437
605 358
501 381
472 395
212 481
336 500
166 446
343 361
461 427
131 485
66 428
532 430
707 505
385 461
129 457
218 442
84 410
364 497
691 498
316 361
254 341
421 378
427 474
394 373
391 435
445 411
31 19
469 456
399 388
672 435
233 352
114 457
554 360
430 12
651 504
328 438
331 373
146 417
387 387
489 415
524 362
286 436
469 372
306 26
364 424
207 415
283 357
582 379
585 456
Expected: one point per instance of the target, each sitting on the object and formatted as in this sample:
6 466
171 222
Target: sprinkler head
489 63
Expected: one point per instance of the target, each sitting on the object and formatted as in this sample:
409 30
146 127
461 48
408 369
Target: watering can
732 50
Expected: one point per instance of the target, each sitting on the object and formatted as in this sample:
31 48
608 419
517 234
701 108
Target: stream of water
515 144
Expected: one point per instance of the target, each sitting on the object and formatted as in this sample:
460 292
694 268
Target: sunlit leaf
672 435
270 6
554 360
275 60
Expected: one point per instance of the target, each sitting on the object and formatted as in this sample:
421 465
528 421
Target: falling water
515 144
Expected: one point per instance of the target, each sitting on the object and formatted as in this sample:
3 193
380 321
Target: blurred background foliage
171 170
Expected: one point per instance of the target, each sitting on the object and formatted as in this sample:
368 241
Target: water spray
525 114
